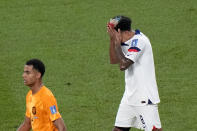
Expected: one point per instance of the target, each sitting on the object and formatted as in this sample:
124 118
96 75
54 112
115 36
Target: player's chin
26 83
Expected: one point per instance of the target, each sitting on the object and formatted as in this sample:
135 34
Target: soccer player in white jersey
133 52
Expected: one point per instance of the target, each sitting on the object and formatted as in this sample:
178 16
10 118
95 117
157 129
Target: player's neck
127 36
36 87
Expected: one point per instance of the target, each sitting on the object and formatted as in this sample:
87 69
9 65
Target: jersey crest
34 110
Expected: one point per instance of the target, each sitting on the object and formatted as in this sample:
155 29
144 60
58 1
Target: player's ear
38 75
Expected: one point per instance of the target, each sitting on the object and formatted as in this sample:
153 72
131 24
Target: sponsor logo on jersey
53 109
35 117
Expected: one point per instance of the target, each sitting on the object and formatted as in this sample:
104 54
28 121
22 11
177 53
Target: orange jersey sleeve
51 107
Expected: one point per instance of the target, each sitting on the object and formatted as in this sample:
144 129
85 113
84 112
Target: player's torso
140 79
40 120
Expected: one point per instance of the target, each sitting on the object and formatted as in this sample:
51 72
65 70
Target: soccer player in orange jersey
41 107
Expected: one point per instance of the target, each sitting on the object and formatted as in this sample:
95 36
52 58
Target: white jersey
140 81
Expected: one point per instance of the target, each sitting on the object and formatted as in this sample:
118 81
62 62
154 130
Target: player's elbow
125 65
62 128
123 68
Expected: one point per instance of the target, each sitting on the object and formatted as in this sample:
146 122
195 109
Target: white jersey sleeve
135 50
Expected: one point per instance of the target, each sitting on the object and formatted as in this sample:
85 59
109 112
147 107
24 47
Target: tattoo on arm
124 62
113 57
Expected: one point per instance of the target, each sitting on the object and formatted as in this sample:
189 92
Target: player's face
30 75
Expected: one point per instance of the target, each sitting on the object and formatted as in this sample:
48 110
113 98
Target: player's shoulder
29 93
141 36
47 92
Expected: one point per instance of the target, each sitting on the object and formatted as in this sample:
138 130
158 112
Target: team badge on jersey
53 109
34 110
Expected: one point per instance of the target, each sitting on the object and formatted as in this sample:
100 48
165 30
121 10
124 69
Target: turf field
70 37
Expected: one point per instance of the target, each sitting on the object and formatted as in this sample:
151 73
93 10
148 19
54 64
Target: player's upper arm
59 123
136 49
51 107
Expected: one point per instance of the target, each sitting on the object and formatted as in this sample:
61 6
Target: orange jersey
42 109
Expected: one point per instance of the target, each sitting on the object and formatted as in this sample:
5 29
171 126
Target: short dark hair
37 64
124 23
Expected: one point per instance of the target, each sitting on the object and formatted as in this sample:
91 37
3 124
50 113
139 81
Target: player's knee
121 129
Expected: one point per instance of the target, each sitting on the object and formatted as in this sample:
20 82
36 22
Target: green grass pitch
70 37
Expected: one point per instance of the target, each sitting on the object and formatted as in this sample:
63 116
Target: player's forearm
59 123
113 58
62 128
124 62
24 127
